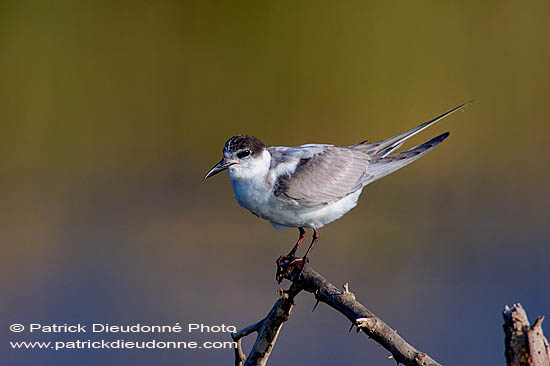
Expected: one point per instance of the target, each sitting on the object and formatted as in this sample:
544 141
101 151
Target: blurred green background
111 113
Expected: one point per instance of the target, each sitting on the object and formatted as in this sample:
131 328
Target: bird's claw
289 265
285 260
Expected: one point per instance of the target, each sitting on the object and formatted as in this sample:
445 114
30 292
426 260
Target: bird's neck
250 183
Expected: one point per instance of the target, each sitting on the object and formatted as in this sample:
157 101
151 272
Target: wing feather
324 177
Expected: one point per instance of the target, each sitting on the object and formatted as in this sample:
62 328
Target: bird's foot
285 259
289 265
283 266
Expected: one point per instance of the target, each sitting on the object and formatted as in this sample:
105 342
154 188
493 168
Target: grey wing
326 176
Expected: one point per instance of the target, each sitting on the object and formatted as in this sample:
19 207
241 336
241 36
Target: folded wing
324 177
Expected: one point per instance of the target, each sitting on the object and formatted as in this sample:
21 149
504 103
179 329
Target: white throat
249 181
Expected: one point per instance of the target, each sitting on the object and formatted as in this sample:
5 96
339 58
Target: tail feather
382 165
386 147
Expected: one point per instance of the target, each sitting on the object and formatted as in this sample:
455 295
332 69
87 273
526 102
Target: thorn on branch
315 306
346 288
347 292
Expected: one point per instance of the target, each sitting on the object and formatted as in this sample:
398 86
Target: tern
311 185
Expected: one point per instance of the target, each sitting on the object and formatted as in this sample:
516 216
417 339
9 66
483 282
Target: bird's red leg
313 242
292 254
298 243
301 262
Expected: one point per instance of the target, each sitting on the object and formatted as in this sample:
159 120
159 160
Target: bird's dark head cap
244 142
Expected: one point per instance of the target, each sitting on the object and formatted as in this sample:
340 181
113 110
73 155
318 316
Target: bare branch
239 354
525 345
344 302
268 329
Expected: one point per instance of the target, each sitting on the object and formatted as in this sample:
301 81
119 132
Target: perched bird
309 186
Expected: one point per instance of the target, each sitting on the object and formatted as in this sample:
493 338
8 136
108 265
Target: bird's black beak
220 167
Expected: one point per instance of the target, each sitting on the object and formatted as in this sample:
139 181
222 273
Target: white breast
253 187
252 195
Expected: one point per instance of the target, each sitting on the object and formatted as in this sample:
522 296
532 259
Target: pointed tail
386 147
382 165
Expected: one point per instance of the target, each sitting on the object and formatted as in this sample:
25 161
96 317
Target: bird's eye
243 154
